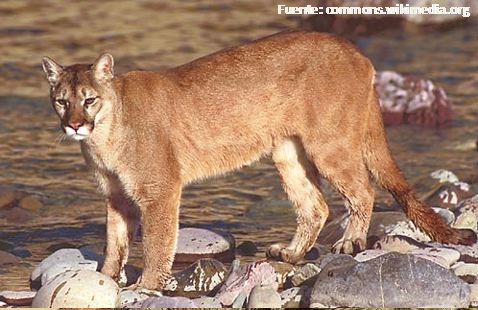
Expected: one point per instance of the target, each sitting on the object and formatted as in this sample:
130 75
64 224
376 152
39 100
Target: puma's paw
348 246
281 252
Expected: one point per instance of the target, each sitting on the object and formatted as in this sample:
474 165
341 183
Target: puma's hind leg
300 181
346 172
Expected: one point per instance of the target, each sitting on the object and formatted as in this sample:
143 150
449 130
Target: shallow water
151 35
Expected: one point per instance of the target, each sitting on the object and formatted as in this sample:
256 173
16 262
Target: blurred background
61 207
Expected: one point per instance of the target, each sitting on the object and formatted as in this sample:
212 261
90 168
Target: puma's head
78 93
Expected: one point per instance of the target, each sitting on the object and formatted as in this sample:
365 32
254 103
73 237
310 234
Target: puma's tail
383 167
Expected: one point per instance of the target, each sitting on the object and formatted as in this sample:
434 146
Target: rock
207 302
164 302
128 297
335 258
467 214
12 298
384 222
129 275
446 214
312 254
444 176
30 203
197 243
247 248
397 243
16 215
369 254
468 254
7 199
407 229
8 259
296 297
449 256
305 273
411 100
56 269
448 195
244 278
466 271
393 280
201 278
60 261
78 289
474 295
264 297
284 272
23 253
240 301
3 305
6 246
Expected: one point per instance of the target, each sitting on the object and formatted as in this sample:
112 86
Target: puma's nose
75 125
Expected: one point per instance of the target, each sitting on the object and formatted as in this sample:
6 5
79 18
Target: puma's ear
52 70
103 68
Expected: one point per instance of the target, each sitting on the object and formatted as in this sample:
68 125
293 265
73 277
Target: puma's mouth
77 134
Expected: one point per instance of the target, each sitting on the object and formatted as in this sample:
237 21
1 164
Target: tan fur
305 98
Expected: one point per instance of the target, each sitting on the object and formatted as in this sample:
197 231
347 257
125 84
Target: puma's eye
89 101
62 102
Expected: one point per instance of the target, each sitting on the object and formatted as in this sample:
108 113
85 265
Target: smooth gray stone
393 280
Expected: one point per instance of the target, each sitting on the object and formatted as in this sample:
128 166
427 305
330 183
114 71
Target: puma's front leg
122 221
160 222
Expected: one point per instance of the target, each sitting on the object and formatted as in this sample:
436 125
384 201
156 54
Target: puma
307 99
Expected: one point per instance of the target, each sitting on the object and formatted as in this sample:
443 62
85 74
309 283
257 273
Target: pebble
247 248
397 243
305 273
8 259
7 199
446 214
465 269
201 278
264 297
312 254
448 195
284 272
127 297
12 298
448 256
78 289
197 243
467 214
65 259
407 229
369 254
30 203
244 278
444 176
474 295
6 246
164 302
296 297
392 280
207 302
129 275
61 267
17 215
